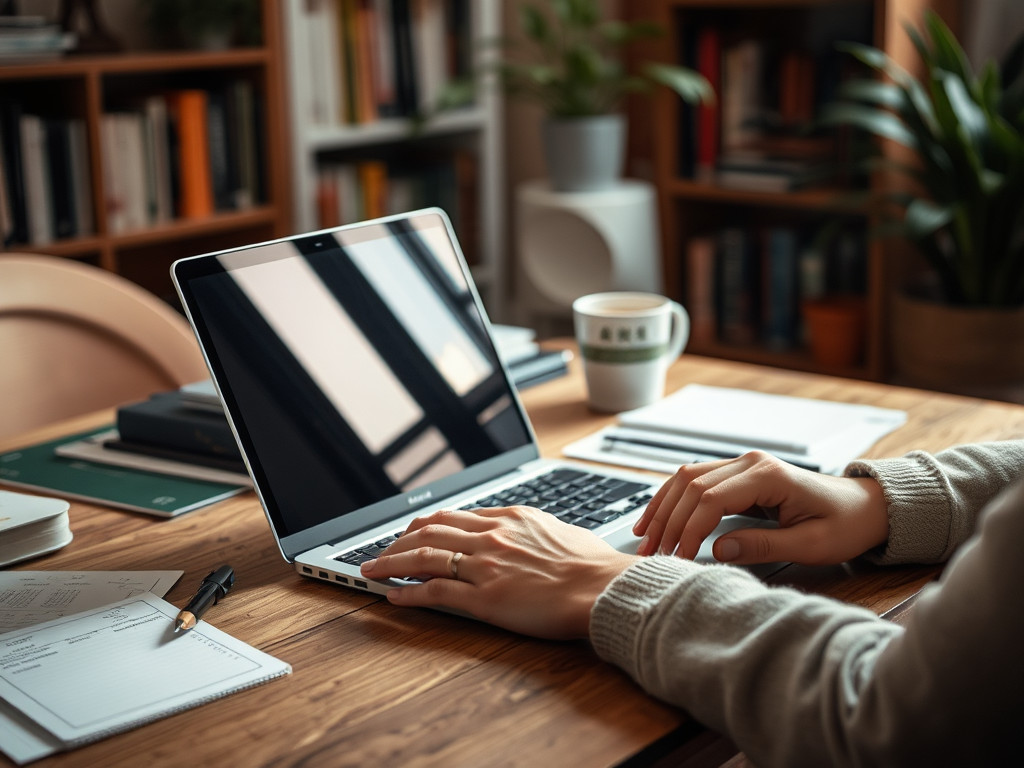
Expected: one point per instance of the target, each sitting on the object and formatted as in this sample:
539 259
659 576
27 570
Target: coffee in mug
627 341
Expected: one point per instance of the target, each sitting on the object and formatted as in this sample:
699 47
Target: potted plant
572 67
966 217
204 24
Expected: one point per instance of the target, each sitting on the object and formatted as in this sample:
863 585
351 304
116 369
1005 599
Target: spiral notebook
84 677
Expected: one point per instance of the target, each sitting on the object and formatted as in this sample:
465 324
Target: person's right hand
822 519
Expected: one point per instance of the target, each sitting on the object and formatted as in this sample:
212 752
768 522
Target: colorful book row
184 154
369 59
351 192
45 192
746 287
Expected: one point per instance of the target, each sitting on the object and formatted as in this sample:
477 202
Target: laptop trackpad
624 541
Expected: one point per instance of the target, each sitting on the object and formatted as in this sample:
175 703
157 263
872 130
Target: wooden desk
381 686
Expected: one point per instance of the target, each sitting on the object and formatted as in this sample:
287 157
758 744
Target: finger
446 593
732 496
801 543
423 562
467 520
671 519
435 536
683 475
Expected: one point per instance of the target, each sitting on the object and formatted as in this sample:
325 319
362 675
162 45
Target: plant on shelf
571 64
965 132
204 24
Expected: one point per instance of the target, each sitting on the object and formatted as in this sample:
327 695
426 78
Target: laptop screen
357 368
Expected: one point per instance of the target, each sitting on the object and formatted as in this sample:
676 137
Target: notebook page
96 673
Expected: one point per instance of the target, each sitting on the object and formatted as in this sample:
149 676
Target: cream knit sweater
798 680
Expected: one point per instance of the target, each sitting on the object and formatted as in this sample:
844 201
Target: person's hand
521 568
822 519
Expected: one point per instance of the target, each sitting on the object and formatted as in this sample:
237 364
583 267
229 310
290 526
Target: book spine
688 113
194 154
737 288
467 193
132 164
349 58
113 202
350 196
780 288
247 159
388 104
364 33
700 288
159 141
405 77
81 178
38 197
181 431
59 165
6 216
217 143
373 178
327 197
10 115
709 63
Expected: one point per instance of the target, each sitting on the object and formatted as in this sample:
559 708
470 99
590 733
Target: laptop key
586 522
605 515
621 492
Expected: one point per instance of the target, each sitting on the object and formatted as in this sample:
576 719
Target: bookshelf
91 87
695 205
321 138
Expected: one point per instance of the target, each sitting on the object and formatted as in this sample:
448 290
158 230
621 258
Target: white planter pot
584 154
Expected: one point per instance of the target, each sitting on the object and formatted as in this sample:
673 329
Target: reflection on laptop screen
358 364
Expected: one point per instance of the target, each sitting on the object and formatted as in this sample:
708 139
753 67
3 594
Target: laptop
357 371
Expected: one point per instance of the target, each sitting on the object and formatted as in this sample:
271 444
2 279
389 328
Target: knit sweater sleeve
934 500
798 680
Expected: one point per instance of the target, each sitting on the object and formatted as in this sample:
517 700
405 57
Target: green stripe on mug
620 355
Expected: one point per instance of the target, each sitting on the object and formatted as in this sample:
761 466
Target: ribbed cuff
918 507
618 617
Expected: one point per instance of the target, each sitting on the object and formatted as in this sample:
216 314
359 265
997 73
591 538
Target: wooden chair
75 339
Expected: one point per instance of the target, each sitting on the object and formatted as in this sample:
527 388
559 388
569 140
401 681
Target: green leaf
690 85
947 53
925 217
873 92
534 24
883 124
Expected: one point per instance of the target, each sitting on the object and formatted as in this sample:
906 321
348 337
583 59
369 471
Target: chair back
76 339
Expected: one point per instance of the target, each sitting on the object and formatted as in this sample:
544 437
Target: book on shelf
348 192
747 286
185 153
371 59
31 38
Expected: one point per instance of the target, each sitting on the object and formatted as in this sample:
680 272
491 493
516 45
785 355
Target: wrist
585 596
875 511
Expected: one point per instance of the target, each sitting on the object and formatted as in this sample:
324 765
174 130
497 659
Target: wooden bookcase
82 87
690 208
477 128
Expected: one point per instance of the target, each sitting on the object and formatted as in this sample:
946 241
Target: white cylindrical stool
575 243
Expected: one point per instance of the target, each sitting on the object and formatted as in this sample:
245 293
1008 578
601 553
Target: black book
260 140
462 34
199 459
688 112
164 421
10 115
543 366
62 193
174 161
217 136
233 133
405 74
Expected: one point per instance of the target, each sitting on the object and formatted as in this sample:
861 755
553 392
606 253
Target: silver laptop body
360 380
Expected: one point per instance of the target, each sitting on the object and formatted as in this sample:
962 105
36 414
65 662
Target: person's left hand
521 568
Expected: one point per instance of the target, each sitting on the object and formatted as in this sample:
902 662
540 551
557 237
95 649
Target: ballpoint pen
667 451
213 588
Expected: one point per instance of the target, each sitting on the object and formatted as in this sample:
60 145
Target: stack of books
527 363
30 38
369 59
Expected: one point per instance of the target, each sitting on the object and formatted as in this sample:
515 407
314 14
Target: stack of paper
31 526
700 423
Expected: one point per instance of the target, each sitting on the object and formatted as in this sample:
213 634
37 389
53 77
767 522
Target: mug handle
680 332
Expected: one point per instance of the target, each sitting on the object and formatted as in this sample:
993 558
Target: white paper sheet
32 597
97 673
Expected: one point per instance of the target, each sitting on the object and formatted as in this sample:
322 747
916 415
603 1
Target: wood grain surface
381 686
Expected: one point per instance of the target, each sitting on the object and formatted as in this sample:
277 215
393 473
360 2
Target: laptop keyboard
580 498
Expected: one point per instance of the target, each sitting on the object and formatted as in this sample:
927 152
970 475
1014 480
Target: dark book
165 421
174 161
62 193
461 31
199 459
260 145
543 366
738 295
217 140
405 74
780 300
10 118
233 134
688 124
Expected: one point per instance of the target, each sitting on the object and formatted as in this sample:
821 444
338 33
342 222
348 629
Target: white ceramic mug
628 340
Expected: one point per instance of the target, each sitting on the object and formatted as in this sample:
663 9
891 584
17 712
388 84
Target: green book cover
38 468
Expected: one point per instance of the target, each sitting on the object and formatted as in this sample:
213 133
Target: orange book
327 199
365 63
373 178
188 109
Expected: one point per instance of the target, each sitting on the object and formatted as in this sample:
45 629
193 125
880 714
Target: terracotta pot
836 330
939 346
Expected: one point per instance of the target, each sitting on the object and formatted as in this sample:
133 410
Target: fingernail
728 550
368 566
644 543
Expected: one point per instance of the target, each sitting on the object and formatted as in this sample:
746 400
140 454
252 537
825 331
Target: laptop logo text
419 497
